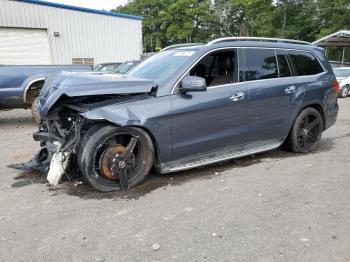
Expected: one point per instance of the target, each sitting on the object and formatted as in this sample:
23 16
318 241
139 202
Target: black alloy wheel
306 132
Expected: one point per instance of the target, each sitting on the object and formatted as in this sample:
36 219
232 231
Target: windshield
97 67
342 72
161 66
125 67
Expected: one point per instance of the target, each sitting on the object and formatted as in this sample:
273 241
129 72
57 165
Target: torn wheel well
33 91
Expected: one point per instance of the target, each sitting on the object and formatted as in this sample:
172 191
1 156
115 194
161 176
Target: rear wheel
115 158
306 132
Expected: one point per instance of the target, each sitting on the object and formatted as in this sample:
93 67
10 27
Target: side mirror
193 84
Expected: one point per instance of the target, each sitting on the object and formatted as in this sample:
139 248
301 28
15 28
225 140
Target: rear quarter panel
319 91
325 93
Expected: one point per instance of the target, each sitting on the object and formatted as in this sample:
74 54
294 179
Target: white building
40 32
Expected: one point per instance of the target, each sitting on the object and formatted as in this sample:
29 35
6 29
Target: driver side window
217 68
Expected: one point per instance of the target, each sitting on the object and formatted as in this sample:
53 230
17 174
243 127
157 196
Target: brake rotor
107 157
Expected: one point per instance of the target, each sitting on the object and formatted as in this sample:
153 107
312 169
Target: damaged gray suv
185 107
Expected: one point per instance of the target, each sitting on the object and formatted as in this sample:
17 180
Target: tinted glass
305 63
103 68
283 66
97 67
217 68
261 64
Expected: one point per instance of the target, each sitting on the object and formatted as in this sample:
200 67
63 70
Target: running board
220 155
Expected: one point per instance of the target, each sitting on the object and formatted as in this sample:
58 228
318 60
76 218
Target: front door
207 121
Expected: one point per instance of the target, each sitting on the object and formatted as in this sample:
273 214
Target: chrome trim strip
222 48
220 155
27 87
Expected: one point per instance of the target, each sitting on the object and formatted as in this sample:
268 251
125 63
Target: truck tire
34 110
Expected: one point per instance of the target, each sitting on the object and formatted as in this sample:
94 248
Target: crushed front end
61 105
59 136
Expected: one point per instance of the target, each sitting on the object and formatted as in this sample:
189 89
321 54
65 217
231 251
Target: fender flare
301 108
29 85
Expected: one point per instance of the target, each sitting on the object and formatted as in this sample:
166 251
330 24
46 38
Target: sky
93 4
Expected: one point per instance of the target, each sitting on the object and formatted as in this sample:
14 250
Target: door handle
237 97
290 90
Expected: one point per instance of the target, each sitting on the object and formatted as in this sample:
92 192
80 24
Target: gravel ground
276 206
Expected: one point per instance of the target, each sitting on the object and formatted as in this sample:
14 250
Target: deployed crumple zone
185 107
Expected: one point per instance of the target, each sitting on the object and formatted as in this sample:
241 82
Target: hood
74 84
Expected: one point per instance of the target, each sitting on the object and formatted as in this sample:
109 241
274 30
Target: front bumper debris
40 162
32 165
58 166
49 160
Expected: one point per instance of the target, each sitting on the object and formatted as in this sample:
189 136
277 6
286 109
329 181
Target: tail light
336 86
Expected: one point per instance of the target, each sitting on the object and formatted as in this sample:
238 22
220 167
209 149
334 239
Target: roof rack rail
263 39
180 45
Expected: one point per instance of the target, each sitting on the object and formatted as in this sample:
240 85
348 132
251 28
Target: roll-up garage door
24 46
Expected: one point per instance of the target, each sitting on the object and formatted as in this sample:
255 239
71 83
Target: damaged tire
113 158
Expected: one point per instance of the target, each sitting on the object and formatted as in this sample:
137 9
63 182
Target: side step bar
221 155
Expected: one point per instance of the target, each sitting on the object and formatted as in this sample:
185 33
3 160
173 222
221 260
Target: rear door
273 94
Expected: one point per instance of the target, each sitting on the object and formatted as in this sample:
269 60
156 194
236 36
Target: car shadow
79 188
11 121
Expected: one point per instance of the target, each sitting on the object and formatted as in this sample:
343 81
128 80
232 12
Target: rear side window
283 65
261 64
305 63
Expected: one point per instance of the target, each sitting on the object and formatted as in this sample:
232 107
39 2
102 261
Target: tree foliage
180 21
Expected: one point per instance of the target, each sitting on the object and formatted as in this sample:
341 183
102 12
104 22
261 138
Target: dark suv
186 107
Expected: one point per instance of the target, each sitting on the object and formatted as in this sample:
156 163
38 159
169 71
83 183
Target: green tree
177 21
187 21
333 16
153 13
228 16
296 19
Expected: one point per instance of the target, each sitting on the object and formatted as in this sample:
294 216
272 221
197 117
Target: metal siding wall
104 38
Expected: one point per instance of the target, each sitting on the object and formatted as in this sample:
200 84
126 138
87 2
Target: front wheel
306 131
115 158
